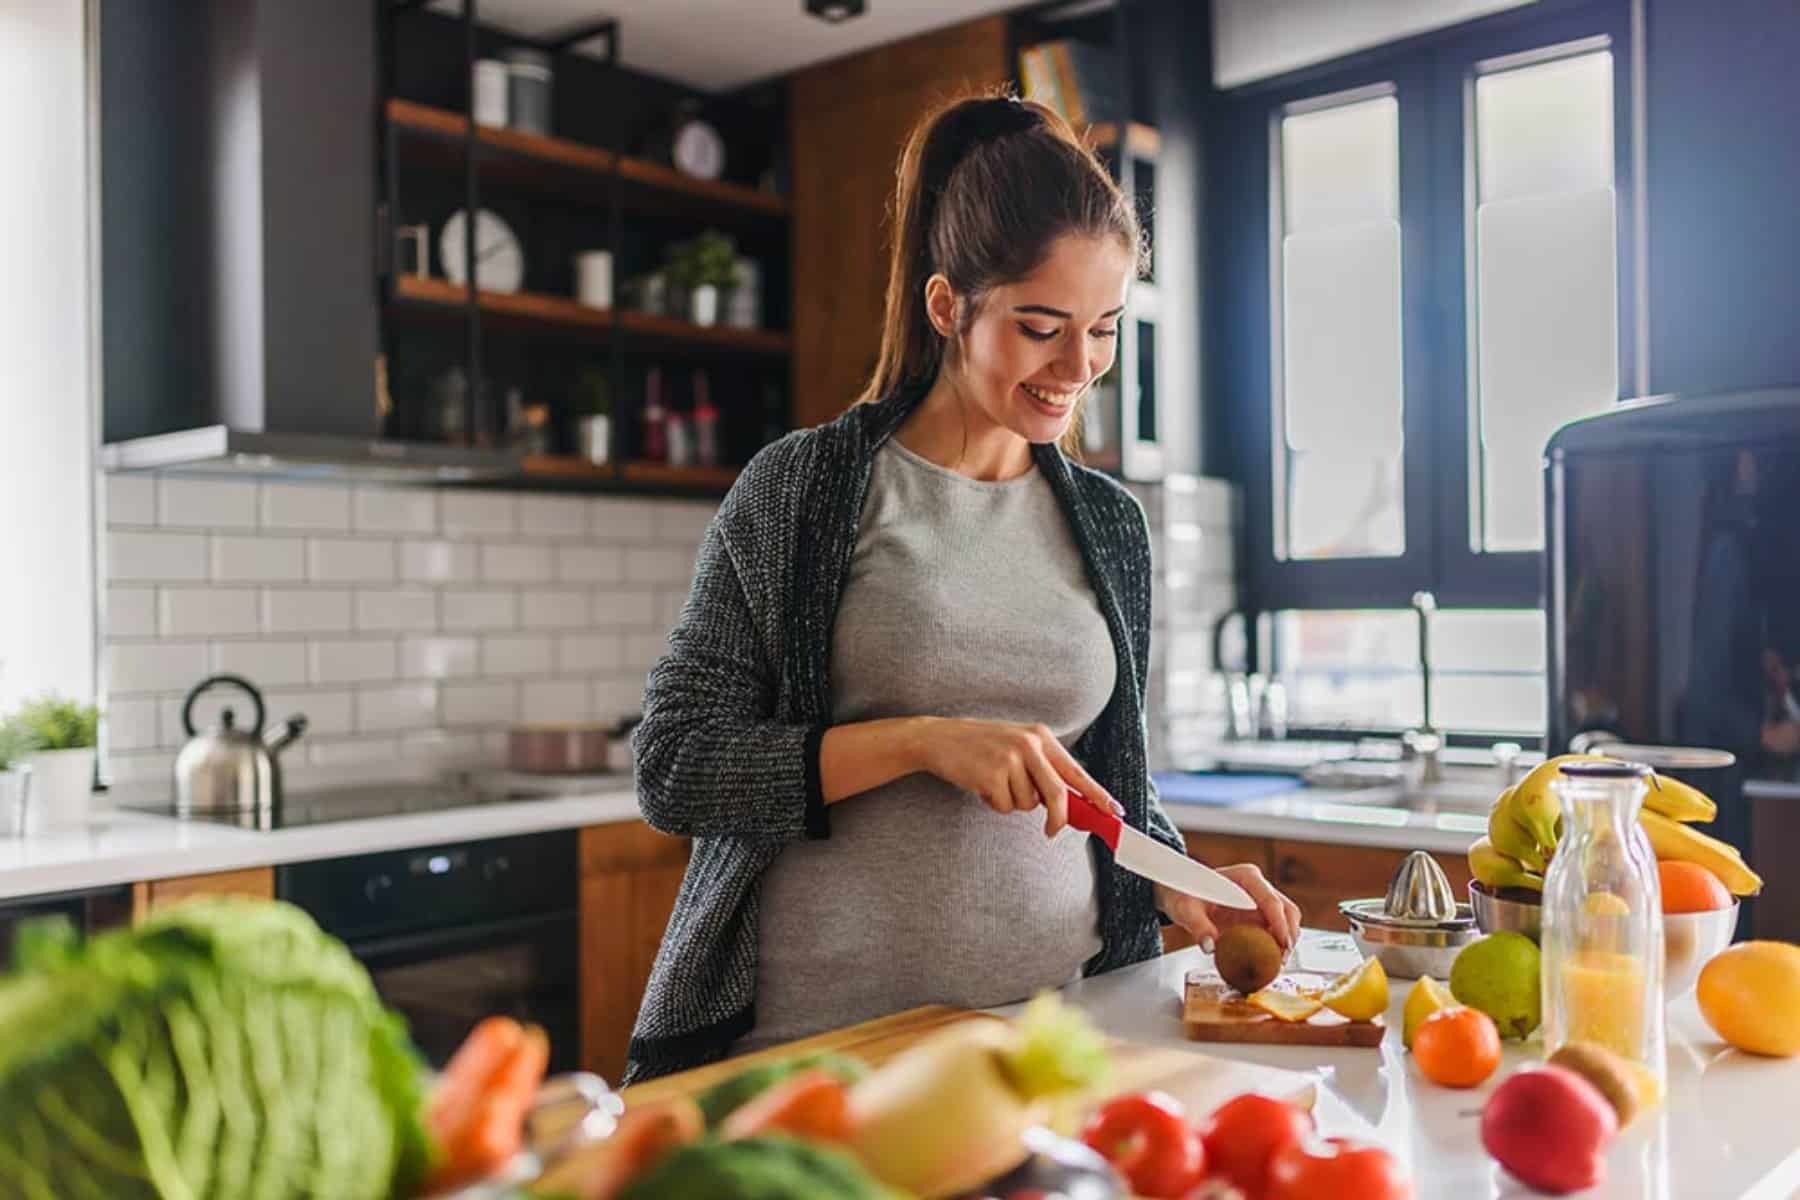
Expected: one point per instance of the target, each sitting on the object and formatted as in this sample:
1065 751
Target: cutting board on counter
1198 1080
1212 1011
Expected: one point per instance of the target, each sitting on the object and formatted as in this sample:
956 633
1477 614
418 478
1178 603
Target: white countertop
130 846
1727 1132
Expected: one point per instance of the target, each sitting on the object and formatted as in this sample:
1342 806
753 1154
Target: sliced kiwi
1247 958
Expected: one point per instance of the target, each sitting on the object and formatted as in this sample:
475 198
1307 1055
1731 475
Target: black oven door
444 981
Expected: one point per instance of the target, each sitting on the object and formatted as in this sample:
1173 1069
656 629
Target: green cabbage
220 1050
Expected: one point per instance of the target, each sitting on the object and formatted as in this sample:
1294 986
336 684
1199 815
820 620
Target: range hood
219 450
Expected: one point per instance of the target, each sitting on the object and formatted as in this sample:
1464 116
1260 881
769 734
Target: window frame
1432 78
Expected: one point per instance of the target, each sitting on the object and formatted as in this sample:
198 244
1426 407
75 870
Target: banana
1673 840
1534 805
1496 870
1509 837
1679 801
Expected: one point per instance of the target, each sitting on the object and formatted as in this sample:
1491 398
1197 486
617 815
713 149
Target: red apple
1549 1127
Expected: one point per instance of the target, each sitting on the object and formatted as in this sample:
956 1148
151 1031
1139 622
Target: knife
1143 855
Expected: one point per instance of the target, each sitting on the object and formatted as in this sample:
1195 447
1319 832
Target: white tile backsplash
439 562
206 503
350 560
184 611
250 559
395 510
305 506
516 563
160 556
353 661
263 663
553 516
306 610
400 621
479 512
401 610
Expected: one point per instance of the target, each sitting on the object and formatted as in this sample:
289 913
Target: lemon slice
1361 995
1427 996
1285 1005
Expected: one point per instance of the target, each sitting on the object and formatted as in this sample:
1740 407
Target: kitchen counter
1727 1130
131 846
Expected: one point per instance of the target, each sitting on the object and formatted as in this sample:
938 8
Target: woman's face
1038 343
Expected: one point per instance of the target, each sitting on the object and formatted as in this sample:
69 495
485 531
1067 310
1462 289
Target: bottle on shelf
654 443
706 422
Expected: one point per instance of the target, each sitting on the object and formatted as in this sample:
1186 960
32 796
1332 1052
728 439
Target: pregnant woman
913 628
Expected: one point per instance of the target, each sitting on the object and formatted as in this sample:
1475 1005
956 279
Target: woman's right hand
1011 767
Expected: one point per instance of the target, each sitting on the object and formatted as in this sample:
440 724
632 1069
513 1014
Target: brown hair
986 185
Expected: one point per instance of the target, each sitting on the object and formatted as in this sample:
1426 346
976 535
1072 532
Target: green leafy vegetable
761 1168
53 723
723 1099
221 1050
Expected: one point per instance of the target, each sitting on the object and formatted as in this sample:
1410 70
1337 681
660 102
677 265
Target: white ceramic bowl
1689 942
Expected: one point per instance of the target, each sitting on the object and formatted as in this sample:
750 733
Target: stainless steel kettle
227 769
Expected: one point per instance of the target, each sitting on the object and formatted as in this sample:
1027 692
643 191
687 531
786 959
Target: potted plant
702 266
592 406
15 779
62 735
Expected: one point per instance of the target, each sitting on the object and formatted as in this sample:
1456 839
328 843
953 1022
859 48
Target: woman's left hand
1273 911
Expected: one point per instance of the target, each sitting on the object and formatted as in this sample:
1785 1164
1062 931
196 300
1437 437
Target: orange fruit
1457 1047
1689 887
1750 995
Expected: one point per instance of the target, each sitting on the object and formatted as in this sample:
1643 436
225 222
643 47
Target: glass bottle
1602 921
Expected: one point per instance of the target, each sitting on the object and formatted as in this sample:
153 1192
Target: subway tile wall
411 622
403 622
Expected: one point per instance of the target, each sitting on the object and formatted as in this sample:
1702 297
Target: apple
1549 1127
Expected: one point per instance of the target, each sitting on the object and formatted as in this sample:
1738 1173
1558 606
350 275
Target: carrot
811 1104
466 1075
492 1129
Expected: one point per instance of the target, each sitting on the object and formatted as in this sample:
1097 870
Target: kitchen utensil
579 747
1689 942
528 89
227 769
1143 855
1420 891
1409 949
490 92
594 278
1495 911
1213 1011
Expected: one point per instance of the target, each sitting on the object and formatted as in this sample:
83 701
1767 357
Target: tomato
1335 1167
1147 1137
1245 1132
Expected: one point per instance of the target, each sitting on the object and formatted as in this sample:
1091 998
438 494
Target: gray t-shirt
965 599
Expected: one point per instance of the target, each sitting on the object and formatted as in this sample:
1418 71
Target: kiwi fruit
1606 1071
1247 958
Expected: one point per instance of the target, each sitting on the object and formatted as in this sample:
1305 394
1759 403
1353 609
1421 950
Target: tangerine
1689 887
1457 1047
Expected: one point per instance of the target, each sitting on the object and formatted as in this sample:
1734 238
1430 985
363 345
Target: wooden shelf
648 185
539 311
1143 140
569 467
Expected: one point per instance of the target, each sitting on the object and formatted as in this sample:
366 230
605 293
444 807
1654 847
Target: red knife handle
1089 817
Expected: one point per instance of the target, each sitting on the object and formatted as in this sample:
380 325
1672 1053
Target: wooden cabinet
252 881
630 875
1316 875
848 122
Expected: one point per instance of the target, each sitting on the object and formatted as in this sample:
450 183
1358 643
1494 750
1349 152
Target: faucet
1425 743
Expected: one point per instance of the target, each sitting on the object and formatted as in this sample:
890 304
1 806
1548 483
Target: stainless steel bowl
1689 942
1494 912
1408 949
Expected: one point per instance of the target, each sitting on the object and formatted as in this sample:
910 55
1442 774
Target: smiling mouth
1060 401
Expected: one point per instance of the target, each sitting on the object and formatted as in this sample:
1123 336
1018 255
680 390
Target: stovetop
356 803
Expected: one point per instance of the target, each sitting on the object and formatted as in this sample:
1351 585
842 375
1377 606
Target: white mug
594 278
490 92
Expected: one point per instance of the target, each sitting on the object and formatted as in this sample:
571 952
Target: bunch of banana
1524 826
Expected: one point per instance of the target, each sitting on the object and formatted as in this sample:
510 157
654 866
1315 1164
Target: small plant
15 743
53 723
592 394
710 258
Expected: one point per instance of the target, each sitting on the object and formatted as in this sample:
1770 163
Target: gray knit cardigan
728 749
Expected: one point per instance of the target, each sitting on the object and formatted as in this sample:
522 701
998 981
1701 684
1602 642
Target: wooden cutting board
1198 1080
1211 1011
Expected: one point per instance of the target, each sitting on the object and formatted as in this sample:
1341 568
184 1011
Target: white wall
1254 39
46 427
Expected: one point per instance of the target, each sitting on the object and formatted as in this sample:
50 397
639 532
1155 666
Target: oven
457 932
